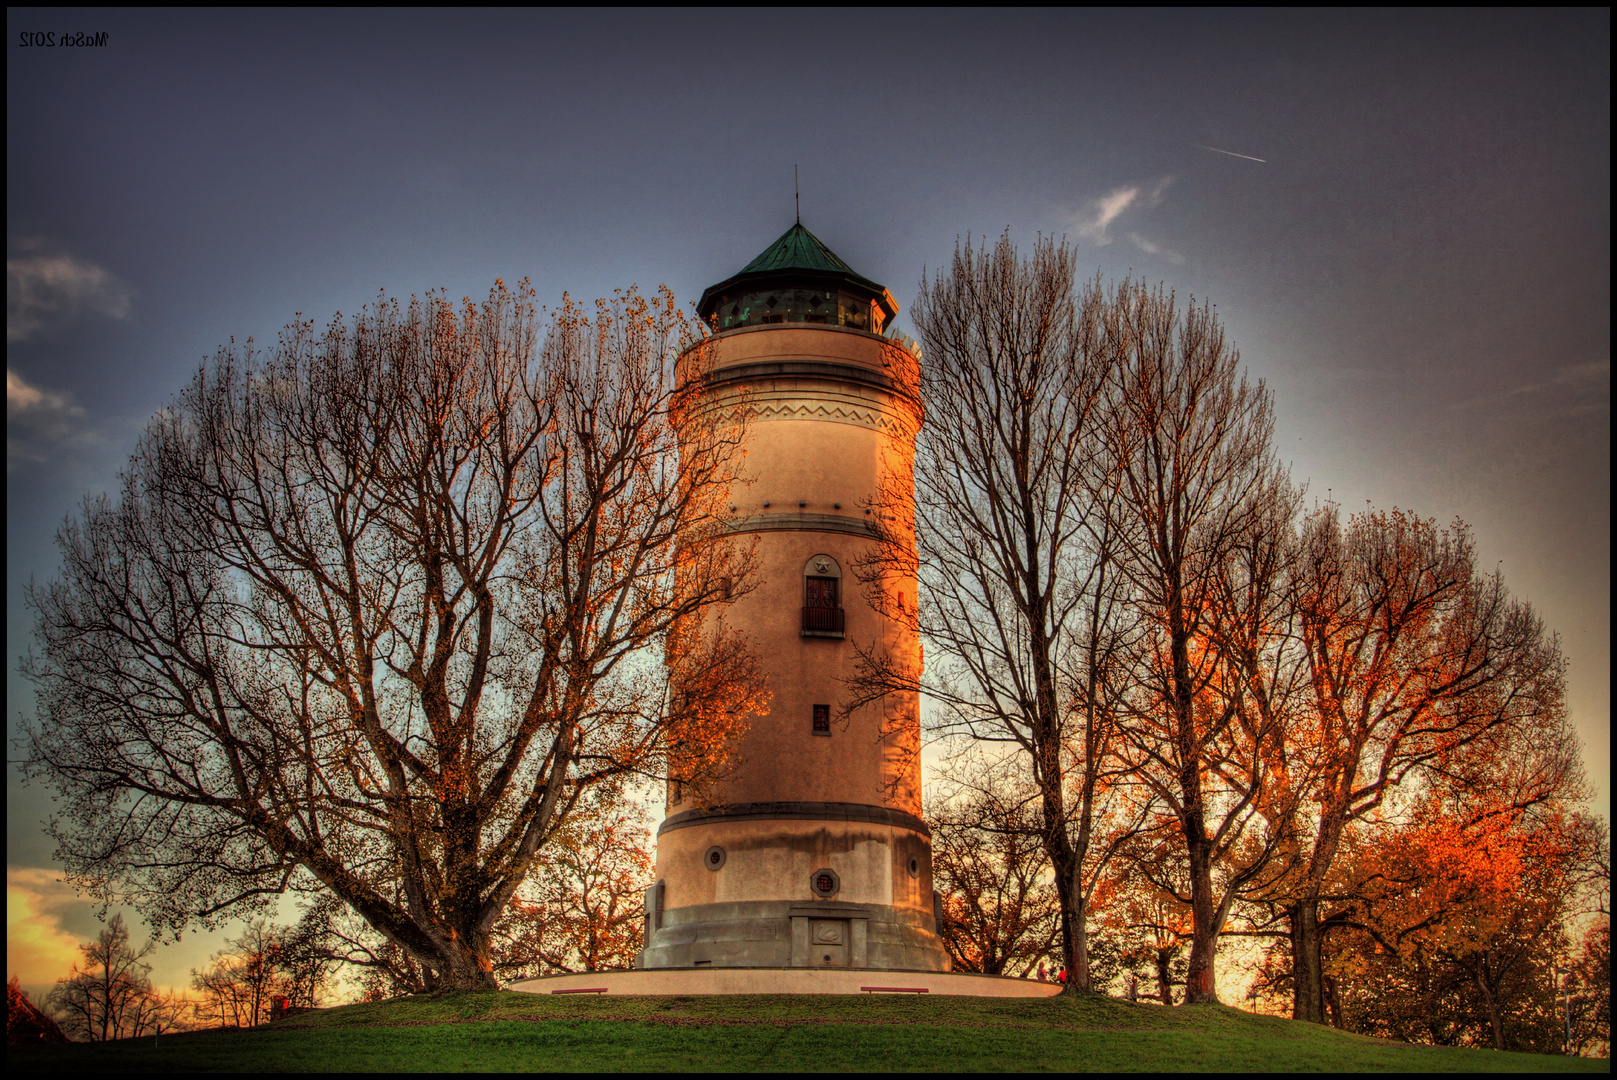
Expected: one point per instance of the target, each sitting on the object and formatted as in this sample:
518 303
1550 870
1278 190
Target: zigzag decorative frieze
839 412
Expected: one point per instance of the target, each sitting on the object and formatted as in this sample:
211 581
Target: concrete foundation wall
772 861
786 934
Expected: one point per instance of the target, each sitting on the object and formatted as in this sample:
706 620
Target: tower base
802 934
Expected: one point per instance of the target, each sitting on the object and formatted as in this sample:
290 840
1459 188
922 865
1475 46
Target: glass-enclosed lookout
797 279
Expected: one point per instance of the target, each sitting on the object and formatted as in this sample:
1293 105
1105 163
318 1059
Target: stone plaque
827 933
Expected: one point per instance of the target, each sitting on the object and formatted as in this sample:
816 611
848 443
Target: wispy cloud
38 421
45 287
38 950
1095 220
47 919
1574 377
1155 249
1094 223
1105 210
1583 374
1567 388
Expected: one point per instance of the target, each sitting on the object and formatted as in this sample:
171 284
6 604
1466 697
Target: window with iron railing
822 621
822 610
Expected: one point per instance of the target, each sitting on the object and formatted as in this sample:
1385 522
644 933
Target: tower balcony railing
822 622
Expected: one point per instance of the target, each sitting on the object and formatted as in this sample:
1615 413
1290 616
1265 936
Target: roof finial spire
797 195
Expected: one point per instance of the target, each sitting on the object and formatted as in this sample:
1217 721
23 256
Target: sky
1403 220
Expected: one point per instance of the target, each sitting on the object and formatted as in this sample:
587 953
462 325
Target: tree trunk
1164 980
1307 968
1333 999
464 964
1200 984
1074 943
1077 948
1494 1024
1200 979
1066 858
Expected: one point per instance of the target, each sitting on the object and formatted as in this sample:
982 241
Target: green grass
507 1031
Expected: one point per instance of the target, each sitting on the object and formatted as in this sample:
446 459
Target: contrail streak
1231 153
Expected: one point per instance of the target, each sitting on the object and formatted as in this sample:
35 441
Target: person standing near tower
811 852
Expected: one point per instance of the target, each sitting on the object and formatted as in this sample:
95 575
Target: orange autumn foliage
1463 910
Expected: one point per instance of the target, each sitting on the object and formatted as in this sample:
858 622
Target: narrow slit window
822 719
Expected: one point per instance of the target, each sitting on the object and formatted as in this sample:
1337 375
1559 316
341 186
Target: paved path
786 981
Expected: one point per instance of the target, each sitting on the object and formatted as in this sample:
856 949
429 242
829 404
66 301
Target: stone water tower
812 853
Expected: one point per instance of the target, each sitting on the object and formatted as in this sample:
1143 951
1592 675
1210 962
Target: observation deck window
822 306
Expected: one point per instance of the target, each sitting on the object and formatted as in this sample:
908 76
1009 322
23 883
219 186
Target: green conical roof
797 259
799 249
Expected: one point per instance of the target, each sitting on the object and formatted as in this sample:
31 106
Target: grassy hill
507 1031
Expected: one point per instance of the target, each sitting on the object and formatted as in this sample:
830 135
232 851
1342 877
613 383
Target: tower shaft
812 851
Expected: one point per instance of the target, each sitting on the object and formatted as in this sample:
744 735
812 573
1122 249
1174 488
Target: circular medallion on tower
714 858
825 883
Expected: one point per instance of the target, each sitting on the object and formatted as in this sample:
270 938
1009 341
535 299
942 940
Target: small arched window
822 597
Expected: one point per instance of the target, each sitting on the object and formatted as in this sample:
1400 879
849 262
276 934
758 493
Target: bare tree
589 915
109 994
265 963
161 1012
1149 924
1588 983
375 611
1422 673
584 913
988 859
233 991
1588 993
1018 604
1196 491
